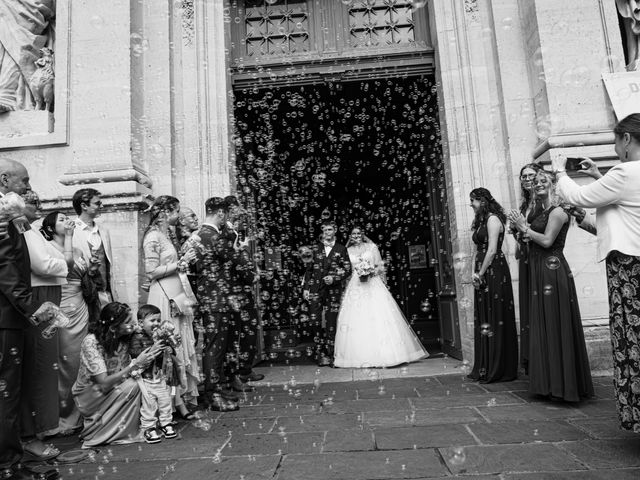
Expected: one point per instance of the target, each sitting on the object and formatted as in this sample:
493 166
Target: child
156 396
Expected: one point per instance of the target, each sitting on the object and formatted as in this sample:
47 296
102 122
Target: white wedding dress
372 331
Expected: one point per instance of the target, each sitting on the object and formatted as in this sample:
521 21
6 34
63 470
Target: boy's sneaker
169 431
151 435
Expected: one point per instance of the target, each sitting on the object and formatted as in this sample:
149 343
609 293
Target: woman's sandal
50 452
186 416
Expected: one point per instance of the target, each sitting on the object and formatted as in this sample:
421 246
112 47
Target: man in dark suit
245 318
213 260
323 289
16 307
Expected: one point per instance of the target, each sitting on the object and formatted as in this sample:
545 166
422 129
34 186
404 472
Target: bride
372 331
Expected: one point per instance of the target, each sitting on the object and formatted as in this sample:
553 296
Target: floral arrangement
364 269
166 333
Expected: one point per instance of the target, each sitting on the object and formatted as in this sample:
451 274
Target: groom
323 289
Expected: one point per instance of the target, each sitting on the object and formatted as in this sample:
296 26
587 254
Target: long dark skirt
558 360
523 298
40 408
623 278
495 337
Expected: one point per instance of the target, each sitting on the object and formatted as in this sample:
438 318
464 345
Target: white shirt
217 229
329 247
48 266
616 198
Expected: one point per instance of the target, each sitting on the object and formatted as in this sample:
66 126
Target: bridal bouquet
364 269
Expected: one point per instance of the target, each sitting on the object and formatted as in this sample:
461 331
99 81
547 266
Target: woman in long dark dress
558 361
528 210
495 337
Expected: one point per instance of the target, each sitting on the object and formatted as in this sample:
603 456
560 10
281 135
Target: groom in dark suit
212 265
323 288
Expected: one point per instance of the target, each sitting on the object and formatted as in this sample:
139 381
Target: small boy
156 396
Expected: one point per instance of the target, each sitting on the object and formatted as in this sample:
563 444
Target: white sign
624 92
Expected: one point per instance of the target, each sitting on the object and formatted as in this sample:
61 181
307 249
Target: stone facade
145 109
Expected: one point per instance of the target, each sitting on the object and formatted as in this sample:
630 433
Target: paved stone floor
385 428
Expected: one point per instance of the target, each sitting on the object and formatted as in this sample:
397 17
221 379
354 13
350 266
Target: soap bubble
457 456
552 262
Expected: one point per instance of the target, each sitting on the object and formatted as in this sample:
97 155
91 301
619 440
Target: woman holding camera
616 198
495 338
558 361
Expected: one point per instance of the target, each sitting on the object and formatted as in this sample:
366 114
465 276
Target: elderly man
16 307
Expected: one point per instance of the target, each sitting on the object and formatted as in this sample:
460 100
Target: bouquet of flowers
166 333
364 269
49 314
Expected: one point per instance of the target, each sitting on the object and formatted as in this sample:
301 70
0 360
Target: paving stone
318 423
268 411
378 404
190 446
599 408
508 458
604 392
243 425
385 392
514 386
147 470
274 444
413 437
526 432
603 428
617 474
606 453
454 379
348 441
362 465
532 411
422 417
470 400
230 468
454 389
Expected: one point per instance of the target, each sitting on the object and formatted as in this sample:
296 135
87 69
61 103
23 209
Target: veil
365 239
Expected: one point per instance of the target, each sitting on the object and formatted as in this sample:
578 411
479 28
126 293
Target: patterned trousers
623 278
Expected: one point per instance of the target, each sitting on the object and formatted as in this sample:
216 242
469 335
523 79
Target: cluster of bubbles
305 154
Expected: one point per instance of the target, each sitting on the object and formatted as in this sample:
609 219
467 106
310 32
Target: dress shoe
238 386
219 404
252 377
324 361
226 394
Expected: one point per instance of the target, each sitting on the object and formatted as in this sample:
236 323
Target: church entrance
362 153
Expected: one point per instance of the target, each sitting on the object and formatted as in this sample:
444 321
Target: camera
573 163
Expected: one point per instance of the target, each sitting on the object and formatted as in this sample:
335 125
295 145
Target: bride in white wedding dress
372 331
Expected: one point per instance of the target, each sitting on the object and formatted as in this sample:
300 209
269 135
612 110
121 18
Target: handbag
179 293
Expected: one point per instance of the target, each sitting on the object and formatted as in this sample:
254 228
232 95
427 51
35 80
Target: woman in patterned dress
171 293
616 198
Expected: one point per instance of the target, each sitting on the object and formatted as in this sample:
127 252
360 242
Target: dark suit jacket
15 281
336 264
212 268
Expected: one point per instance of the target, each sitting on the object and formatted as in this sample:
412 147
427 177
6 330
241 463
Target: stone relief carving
27 38
471 9
630 12
188 22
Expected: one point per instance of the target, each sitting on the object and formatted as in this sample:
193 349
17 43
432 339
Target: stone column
484 113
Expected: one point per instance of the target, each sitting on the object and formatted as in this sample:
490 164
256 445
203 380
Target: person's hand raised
590 168
69 227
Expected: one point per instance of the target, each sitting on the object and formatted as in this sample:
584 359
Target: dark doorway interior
360 153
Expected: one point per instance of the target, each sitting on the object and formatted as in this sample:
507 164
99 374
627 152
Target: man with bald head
16 307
